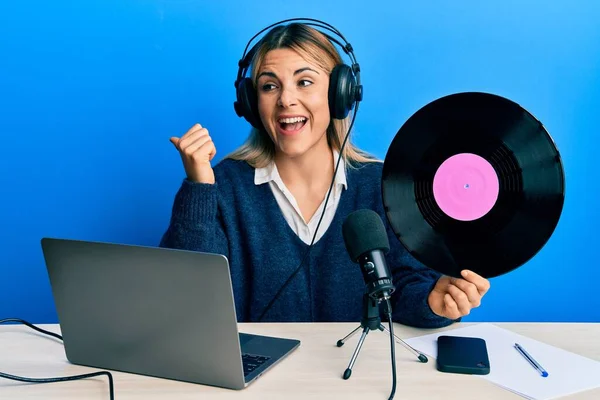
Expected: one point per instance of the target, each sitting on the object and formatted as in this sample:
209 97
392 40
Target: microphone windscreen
364 231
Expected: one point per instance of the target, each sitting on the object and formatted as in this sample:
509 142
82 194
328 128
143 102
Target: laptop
154 311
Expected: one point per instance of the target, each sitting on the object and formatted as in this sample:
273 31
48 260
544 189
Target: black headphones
345 89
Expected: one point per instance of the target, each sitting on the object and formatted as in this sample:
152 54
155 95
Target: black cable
45 332
341 155
60 379
392 342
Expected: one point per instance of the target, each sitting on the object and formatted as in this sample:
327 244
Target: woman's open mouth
291 126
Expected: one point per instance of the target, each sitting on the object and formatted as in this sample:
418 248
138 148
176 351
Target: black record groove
530 177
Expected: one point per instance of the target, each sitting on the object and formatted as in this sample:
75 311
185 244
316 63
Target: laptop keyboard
252 361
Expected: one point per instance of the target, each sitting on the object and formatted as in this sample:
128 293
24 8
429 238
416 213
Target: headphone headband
247 56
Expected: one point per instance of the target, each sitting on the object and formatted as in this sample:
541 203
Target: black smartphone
462 355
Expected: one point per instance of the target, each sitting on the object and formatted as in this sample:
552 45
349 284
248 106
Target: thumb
174 140
442 284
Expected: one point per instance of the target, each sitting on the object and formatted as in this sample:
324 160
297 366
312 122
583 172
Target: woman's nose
287 97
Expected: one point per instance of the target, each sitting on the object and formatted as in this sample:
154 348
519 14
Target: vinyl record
473 181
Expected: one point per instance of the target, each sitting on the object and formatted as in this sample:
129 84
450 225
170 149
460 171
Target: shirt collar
270 173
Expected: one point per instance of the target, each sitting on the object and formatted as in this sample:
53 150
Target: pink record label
466 187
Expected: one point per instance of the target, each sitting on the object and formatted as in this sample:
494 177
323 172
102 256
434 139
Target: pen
534 363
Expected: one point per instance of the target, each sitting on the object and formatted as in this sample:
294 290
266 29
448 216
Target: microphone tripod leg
348 371
341 342
422 357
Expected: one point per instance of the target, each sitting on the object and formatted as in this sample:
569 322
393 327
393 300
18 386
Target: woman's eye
305 82
268 86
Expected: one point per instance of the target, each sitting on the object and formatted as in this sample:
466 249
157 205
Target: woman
260 206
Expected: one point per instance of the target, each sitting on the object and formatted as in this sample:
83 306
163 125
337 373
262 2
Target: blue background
91 91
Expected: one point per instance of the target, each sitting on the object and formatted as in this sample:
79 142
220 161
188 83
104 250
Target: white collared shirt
289 206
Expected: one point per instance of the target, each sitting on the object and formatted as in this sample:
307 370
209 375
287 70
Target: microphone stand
371 321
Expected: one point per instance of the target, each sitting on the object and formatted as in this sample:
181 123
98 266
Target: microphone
367 243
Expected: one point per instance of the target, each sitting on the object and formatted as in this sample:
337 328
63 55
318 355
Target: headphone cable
341 155
60 379
393 347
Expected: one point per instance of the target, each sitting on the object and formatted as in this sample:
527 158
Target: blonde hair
258 149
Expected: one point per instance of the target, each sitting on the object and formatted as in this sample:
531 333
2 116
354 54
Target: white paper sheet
568 373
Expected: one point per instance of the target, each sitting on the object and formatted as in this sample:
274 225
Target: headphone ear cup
247 103
342 88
